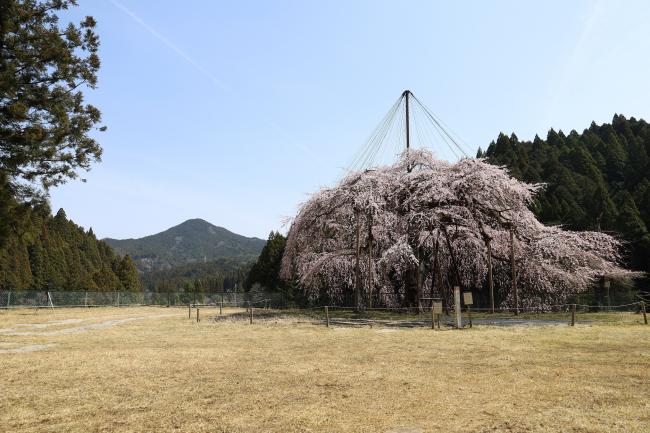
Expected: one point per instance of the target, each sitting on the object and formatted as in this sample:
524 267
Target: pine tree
128 274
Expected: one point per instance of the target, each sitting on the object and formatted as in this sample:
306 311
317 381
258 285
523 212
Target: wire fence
405 317
56 299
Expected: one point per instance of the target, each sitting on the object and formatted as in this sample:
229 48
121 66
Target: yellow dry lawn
153 370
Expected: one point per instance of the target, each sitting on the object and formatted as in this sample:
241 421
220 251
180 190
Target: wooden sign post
467 299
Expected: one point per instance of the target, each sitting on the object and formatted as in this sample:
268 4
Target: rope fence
406 317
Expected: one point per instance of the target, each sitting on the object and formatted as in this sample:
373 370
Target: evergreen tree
266 271
128 274
44 124
596 180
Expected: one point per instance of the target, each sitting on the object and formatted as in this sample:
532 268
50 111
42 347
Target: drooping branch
458 217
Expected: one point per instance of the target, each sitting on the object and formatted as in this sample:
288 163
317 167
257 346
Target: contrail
172 46
215 80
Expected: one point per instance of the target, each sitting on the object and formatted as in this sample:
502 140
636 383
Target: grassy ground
152 369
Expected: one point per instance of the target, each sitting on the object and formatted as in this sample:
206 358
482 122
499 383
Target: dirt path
74 330
28 348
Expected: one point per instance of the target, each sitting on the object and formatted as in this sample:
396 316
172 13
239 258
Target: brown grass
170 374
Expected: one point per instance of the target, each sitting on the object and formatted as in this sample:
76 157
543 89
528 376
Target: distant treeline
596 180
46 252
221 275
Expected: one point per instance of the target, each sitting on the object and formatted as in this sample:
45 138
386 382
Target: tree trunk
434 268
453 260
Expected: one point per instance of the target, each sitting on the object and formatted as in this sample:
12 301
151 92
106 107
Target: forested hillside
222 275
53 253
596 180
192 241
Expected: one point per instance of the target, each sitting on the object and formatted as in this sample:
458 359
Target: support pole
408 127
118 299
9 299
251 314
459 320
645 318
513 271
189 310
357 268
221 307
433 318
370 263
86 299
490 277
573 314
327 316
197 316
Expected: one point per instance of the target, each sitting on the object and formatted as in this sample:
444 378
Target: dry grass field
153 370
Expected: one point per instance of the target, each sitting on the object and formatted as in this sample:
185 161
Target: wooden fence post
197 316
573 314
433 318
189 310
645 318
221 307
327 316
251 314
86 299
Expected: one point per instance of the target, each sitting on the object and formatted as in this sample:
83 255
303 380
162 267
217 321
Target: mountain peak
194 240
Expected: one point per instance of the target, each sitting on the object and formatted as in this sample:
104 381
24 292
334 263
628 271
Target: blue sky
235 111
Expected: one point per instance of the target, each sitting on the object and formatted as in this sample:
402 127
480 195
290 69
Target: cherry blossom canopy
400 233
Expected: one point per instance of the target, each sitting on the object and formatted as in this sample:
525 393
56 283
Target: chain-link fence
274 306
54 299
